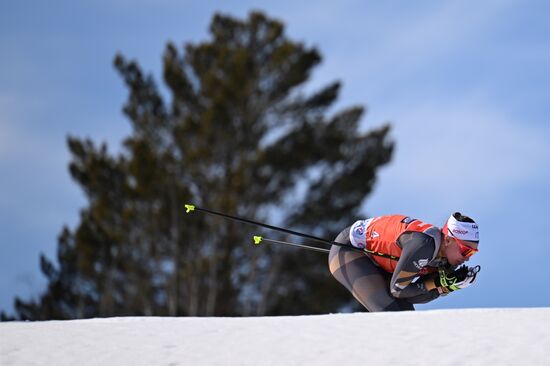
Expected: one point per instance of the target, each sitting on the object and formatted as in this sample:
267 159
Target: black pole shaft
321 240
322 250
288 231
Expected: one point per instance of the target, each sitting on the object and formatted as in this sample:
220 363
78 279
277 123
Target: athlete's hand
458 279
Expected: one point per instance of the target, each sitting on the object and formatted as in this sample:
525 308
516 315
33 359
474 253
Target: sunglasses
465 250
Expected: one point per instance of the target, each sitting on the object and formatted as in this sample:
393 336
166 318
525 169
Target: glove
458 279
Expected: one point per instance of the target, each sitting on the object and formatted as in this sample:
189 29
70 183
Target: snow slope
442 337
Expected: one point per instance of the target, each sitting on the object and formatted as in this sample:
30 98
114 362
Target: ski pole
190 208
259 239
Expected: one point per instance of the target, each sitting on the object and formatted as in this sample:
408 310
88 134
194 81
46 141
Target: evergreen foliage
239 135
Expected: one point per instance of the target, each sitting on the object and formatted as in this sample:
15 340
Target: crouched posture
406 261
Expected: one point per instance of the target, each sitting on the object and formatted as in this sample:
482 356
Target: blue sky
466 87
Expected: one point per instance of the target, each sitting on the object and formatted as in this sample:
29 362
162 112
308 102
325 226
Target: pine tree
239 135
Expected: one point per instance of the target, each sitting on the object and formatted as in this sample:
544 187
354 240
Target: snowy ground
442 337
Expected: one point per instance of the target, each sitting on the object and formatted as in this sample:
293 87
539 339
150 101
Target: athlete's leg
368 283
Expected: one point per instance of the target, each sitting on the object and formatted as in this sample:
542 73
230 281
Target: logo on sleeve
421 263
357 234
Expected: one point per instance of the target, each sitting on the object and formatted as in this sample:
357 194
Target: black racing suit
378 290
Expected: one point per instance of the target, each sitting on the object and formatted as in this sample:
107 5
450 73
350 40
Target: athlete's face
455 251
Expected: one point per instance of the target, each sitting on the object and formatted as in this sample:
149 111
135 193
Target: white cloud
380 50
460 154
409 64
409 42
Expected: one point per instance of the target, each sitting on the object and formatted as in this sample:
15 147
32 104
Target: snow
442 337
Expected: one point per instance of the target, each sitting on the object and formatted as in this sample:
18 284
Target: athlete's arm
407 282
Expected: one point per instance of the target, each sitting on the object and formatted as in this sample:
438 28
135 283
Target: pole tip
257 240
189 208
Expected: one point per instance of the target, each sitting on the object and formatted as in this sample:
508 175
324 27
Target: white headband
463 230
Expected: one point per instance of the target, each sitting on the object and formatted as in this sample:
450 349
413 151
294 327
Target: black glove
460 278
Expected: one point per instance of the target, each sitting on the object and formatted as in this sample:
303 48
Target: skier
413 262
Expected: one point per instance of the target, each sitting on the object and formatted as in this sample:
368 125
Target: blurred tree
239 135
